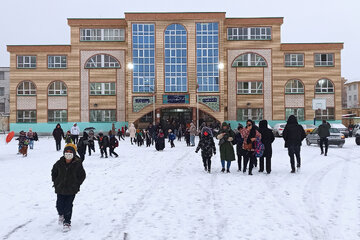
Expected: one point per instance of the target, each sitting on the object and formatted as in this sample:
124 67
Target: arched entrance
174 116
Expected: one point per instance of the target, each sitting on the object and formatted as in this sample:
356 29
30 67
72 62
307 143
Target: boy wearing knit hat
67 175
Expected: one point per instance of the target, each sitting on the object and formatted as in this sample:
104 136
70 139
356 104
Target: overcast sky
26 22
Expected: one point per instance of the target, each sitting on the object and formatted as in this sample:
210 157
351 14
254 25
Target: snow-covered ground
167 195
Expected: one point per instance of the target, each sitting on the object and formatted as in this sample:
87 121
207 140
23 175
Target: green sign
212 102
141 102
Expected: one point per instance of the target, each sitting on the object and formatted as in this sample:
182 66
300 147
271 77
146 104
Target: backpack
259 148
116 143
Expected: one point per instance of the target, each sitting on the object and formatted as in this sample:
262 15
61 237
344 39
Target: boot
66 227
61 220
292 171
228 171
223 170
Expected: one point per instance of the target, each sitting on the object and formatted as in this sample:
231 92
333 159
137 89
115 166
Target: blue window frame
143 53
207 56
175 58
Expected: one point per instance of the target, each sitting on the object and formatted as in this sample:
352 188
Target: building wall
5 83
77 78
352 92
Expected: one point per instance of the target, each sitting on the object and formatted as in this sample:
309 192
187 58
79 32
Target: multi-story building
172 65
4 91
352 93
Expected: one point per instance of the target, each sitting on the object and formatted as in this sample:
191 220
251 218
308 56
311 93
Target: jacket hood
224 124
263 124
58 125
292 120
132 125
85 135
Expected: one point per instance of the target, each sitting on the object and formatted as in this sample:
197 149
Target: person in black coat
240 152
58 134
207 146
324 133
160 141
267 138
103 144
82 145
293 135
67 175
113 143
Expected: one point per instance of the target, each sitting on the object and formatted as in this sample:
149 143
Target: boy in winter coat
30 136
68 138
103 144
267 138
67 175
226 136
120 135
91 141
207 146
239 148
81 145
113 144
172 137
293 135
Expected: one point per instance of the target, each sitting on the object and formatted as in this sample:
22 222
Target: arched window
249 60
57 88
294 86
102 61
175 58
26 88
324 86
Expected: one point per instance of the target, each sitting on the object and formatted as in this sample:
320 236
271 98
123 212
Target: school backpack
116 143
259 148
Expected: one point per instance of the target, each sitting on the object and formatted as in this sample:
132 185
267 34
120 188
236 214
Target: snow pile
167 195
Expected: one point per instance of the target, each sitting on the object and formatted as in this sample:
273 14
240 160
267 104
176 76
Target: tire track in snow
141 201
16 229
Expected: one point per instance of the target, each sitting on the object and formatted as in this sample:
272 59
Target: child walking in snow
67 175
187 137
172 137
207 146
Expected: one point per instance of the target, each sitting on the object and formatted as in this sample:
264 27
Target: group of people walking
26 140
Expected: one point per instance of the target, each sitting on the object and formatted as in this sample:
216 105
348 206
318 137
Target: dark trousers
207 163
58 144
324 140
91 147
64 205
294 150
112 151
268 164
148 142
251 159
172 143
103 151
75 138
240 157
121 137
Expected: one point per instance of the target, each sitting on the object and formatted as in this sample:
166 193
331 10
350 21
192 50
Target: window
324 86
57 62
294 86
57 116
252 33
102 88
175 58
297 112
2 107
102 115
250 87
327 114
244 114
294 60
249 60
355 98
349 98
26 88
324 59
102 34
102 61
57 88
143 53
26 61
207 57
2 75
2 91
26 116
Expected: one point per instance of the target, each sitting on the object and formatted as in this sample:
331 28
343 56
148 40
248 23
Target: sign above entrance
212 102
176 99
141 102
